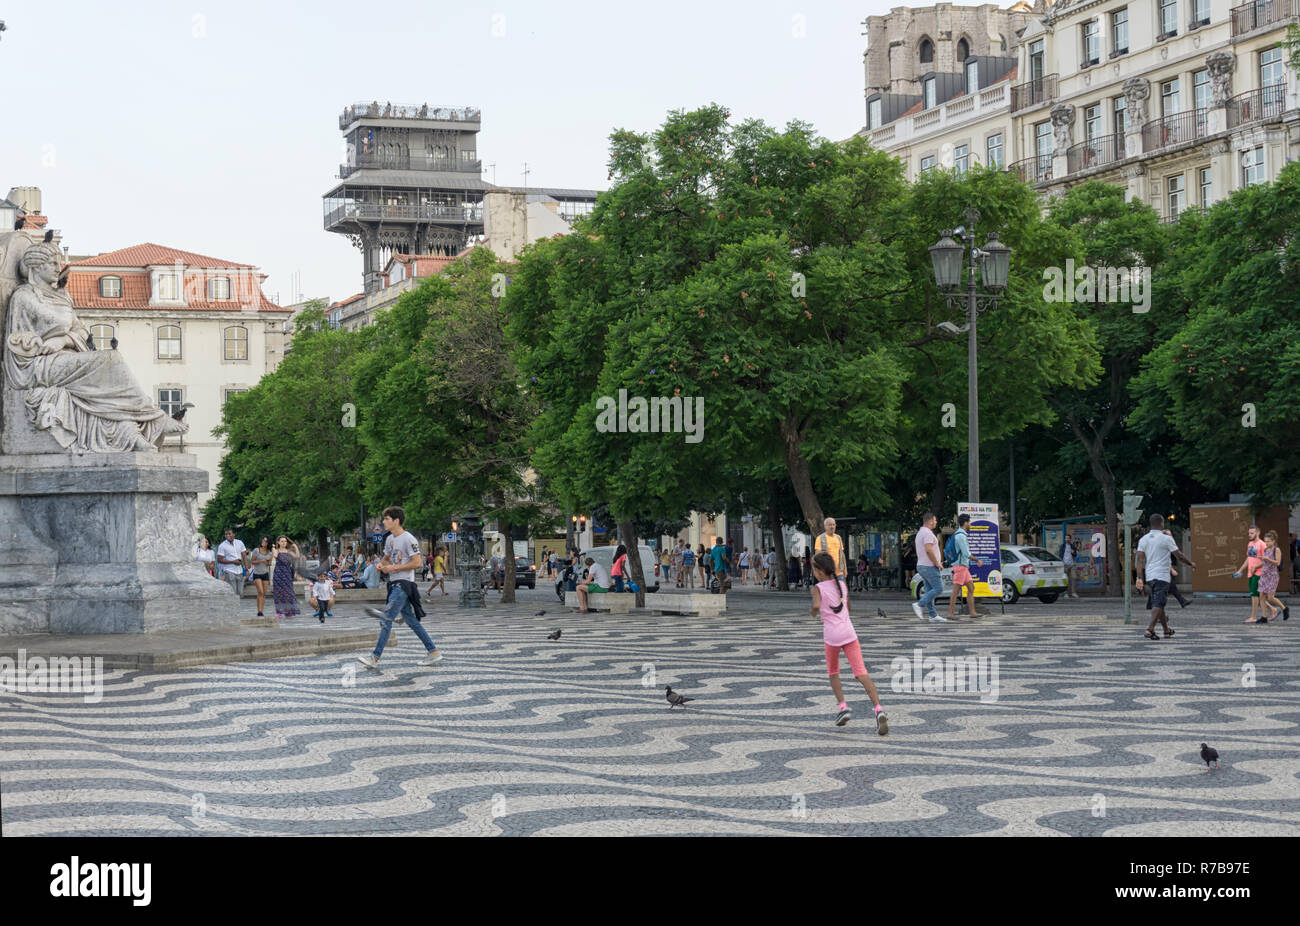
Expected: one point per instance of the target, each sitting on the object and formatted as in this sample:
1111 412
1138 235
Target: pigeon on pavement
1209 754
880 612
674 698
554 636
540 614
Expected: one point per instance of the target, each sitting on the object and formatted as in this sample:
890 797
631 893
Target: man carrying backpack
832 544
957 552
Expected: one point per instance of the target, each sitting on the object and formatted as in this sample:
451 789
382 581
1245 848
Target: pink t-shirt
924 536
837 629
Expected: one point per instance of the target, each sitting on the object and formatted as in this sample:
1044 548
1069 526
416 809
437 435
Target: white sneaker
369 661
434 656
938 619
916 609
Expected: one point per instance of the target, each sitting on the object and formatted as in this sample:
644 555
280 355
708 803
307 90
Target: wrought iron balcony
471 213
1256 106
1036 169
1174 130
408 162
1251 16
1034 92
376 110
1096 152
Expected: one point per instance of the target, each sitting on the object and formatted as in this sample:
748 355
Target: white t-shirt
322 590
596 572
925 536
206 556
401 549
1158 547
232 549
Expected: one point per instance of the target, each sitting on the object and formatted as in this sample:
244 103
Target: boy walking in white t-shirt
322 596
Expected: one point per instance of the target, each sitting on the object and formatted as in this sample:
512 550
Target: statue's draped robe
87 400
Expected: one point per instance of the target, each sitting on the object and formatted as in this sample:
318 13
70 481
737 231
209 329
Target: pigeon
880 612
49 236
1209 755
554 636
674 698
540 614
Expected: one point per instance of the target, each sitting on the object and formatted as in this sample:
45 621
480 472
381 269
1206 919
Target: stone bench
705 604
613 602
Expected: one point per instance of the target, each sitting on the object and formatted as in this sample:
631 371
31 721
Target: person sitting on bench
597 580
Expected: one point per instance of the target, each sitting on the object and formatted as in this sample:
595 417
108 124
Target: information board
984 535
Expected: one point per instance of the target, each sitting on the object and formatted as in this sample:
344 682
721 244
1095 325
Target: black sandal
1169 633
1150 635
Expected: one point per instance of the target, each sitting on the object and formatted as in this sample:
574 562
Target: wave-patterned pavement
1094 731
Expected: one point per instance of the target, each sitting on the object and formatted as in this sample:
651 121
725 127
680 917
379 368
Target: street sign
449 537
984 536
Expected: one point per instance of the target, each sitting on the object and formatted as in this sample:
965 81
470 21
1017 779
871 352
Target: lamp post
469 564
993 261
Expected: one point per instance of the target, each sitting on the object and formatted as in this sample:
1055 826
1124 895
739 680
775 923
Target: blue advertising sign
985 547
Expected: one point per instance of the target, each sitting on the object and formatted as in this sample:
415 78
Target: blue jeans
399 603
933 587
618 583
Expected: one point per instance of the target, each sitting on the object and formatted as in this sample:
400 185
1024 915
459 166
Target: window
236 342
1201 100
170 400
873 114
467 157
1169 97
961 158
169 342
1036 60
963 50
227 393
1176 193
1207 187
103 335
927 93
1168 19
972 76
1121 115
1092 122
1002 39
1119 32
168 287
219 288
926 51
110 287
927 163
1043 140
1252 165
1091 42
1200 12
994 148
1270 66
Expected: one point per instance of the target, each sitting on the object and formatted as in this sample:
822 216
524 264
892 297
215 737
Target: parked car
605 556
525 573
1026 570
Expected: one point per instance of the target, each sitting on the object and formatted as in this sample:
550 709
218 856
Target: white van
605 556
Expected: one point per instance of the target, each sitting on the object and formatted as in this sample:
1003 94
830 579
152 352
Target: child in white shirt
322 597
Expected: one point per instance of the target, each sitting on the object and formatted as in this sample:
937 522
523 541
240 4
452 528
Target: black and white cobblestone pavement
1094 731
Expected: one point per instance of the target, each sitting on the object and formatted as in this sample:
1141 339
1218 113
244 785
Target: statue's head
40 259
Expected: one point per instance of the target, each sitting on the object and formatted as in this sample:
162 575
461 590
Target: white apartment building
1179 101
193 329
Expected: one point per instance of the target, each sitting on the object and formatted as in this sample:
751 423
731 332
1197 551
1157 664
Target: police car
1030 571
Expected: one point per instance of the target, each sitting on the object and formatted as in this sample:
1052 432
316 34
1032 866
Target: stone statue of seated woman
87 400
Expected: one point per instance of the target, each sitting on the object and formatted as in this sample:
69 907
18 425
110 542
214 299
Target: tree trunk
1114 584
322 548
508 550
797 466
940 495
782 574
627 536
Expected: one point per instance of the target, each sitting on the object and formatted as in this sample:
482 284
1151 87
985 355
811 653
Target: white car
1025 571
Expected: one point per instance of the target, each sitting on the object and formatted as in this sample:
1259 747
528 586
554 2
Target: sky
212 127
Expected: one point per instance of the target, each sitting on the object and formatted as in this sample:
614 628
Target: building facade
193 329
1179 101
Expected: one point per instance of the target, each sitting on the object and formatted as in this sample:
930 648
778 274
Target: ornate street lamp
469 560
993 261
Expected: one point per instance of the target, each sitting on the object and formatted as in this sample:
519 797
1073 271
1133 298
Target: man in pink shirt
1252 565
928 564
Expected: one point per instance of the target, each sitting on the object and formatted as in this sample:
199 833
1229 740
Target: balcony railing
408 162
1174 130
1037 169
469 212
1256 106
376 110
1251 16
1034 92
1096 152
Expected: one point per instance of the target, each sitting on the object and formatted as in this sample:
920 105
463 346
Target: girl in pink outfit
838 634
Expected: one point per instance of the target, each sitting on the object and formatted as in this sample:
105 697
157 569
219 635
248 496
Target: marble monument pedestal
104 543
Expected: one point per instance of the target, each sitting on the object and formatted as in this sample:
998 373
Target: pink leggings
851 650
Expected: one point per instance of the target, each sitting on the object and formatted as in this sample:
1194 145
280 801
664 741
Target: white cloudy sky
212 125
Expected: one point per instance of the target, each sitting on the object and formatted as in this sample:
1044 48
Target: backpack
950 548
